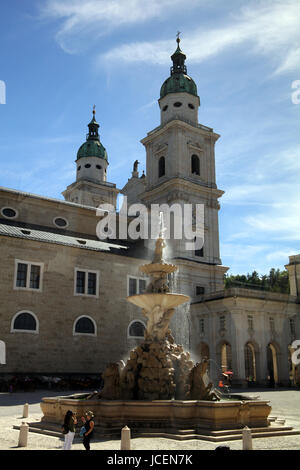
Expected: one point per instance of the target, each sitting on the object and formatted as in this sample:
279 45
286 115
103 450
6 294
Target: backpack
65 429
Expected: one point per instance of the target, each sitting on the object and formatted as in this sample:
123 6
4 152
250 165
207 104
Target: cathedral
63 290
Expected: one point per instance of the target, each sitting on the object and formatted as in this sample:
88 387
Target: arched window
136 329
25 322
84 326
161 167
195 165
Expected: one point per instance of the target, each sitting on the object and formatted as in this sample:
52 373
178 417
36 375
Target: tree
275 281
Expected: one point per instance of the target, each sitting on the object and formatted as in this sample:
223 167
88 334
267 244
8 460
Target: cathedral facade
64 290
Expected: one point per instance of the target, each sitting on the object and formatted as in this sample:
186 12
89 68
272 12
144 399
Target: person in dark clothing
69 428
89 429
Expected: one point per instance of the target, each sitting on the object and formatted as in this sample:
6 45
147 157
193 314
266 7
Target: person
89 428
69 426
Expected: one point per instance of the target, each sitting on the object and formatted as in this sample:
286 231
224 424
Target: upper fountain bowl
158 268
164 301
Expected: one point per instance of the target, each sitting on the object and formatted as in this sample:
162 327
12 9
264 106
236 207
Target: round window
177 104
165 108
9 213
87 165
60 222
99 167
79 168
191 106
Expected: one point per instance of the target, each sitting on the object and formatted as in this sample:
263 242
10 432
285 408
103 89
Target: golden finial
94 110
177 36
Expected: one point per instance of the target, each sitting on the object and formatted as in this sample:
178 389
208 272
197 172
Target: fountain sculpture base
164 417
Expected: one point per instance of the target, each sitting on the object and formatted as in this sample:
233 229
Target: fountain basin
164 301
158 268
167 416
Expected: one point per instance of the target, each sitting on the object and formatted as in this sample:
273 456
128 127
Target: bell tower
91 187
180 162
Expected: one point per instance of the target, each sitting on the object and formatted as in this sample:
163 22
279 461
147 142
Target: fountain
160 391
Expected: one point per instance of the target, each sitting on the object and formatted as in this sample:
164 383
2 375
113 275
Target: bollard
125 438
23 436
247 439
25 410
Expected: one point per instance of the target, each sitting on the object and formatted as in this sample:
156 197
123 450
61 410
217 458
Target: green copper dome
92 147
179 81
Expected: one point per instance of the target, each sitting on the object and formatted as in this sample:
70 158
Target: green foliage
275 281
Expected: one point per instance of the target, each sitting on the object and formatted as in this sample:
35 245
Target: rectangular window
22 275
35 277
200 251
202 325
292 326
92 283
200 290
142 286
250 322
272 324
86 282
136 285
28 275
222 323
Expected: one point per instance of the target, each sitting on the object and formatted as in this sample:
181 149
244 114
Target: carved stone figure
158 254
198 389
111 376
135 165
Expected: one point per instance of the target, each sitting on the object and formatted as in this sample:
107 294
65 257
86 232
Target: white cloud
269 28
98 17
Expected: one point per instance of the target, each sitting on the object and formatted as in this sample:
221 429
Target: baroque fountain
160 391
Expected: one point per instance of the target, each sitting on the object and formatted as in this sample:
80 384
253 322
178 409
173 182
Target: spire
178 59
93 128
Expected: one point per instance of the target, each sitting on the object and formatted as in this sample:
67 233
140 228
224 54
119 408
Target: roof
178 83
59 239
92 148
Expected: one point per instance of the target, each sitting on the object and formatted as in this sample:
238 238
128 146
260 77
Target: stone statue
158 254
158 284
111 376
135 166
198 389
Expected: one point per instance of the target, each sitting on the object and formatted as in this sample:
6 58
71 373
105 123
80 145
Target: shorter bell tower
91 187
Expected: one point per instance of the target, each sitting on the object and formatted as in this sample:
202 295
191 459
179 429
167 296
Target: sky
60 57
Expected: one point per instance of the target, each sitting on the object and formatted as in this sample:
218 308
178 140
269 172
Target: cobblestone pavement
285 403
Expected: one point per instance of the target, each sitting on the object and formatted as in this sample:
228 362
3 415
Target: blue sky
60 57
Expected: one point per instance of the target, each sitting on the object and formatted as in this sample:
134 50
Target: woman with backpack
69 428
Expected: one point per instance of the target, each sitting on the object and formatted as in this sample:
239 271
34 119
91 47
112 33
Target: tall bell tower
91 187
180 161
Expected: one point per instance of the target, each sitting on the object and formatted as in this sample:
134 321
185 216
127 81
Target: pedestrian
89 428
69 428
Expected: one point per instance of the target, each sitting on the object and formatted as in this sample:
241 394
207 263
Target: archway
272 365
250 363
